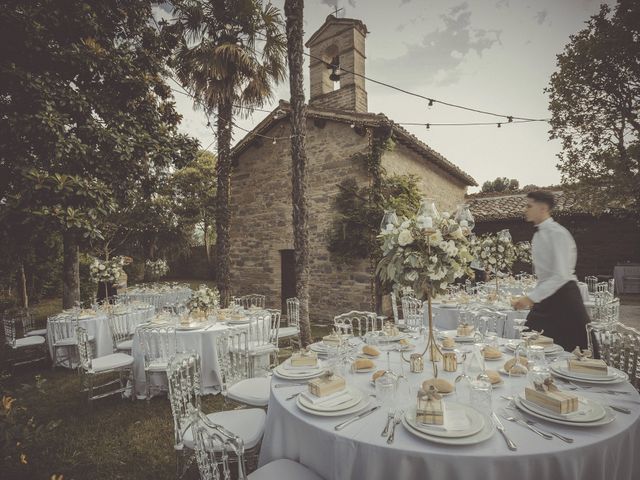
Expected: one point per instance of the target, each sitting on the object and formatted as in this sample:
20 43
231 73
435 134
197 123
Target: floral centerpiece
523 252
157 268
496 252
107 271
427 253
204 300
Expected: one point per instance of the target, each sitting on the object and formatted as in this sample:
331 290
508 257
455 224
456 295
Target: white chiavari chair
29 327
93 368
263 337
184 394
121 333
158 344
591 282
253 300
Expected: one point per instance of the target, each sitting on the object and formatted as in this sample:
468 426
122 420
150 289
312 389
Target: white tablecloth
359 452
619 272
97 325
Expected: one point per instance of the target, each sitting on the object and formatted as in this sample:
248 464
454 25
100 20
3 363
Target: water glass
481 395
386 390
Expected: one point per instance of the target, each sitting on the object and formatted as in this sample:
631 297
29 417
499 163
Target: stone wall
261 218
447 191
261 213
602 242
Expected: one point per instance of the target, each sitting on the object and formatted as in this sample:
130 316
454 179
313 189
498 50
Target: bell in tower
337 65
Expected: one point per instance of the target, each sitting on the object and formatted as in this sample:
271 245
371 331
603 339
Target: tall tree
501 184
84 105
293 10
595 102
193 194
229 53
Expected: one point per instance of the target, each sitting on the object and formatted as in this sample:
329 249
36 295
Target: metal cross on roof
335 12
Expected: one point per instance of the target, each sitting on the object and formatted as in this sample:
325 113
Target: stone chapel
338 126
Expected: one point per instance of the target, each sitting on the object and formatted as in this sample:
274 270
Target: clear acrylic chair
120 332
63 339
263 338
91 369
29 327
158 344
253 300
25 350
184 395
215 446
611 286
234 361
356 323
591 282
412 312
619 346
291 331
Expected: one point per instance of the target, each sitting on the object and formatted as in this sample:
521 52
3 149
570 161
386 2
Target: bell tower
337 49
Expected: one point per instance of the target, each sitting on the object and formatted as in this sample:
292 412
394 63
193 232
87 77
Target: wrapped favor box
326 385
554 400
465 330
430 408
588 365
304 359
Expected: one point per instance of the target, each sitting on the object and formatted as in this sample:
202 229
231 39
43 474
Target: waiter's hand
520 303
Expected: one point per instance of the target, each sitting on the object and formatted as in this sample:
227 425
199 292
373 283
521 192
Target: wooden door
288 277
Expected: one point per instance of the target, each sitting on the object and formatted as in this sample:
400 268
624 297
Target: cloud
334 3
541 16
502 4
438 57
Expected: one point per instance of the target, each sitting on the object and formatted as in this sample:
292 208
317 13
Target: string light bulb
431 102
510 119
353 125
428 126
274 141
499 125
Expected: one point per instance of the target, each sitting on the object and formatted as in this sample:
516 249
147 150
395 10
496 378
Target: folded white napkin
455 419
334 398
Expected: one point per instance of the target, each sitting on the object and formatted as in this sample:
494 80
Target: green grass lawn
113 439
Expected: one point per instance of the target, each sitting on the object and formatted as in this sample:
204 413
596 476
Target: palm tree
230 54
293 10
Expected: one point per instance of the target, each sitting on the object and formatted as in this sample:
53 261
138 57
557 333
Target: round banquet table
158 297
201 340
359 452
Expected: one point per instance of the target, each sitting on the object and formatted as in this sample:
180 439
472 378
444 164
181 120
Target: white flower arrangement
204 298
497 253
425 256
523 252
157 268
107 271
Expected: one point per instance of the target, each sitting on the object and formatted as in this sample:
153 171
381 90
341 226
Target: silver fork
396 421
525 424
390 420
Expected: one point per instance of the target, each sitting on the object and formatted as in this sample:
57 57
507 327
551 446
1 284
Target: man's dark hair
542 196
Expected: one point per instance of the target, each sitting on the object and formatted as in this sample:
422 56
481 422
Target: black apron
562 316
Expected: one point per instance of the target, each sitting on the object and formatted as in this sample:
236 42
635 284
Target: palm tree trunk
223 215
70 270
293 10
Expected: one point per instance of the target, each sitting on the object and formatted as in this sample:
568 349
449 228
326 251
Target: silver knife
500 427
340 426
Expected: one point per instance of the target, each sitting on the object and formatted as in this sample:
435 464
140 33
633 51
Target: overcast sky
494 55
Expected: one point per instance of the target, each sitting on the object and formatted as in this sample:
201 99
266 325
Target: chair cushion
42 332
69 341
283 469
248 424
286 332
31 341
157 366
252 391
256 349
111 362
125 345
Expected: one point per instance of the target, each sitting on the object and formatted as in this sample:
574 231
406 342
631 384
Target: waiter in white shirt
555 302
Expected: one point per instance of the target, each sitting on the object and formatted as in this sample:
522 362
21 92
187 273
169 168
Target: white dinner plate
589 411
608 417
191 326
454 334
613 374
364 403
486 433
548 350
506 374
281 372
356 397
391 338
238 321
476 422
